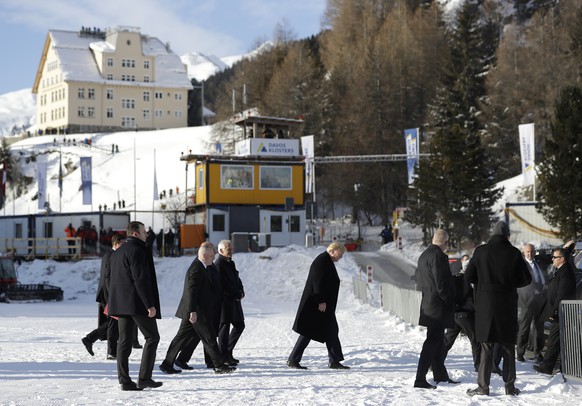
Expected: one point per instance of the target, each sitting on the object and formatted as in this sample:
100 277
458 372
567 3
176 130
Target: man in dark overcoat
315 319
135 300
497 269
107 328
433 276
562 286
233 293
198 308
531 299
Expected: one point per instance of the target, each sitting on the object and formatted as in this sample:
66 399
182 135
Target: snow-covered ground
43 362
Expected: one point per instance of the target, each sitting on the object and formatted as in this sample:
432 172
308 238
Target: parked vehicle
11 290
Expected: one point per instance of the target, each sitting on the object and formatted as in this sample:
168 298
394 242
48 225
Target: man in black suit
562 287
232 312
107 325
315 319
531 299
198 308
497 269
134 298
437 307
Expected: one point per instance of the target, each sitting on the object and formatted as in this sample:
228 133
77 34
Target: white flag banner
308 150
527 149
412 150
41 177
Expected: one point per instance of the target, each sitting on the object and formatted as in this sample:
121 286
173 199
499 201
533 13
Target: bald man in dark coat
437 309
497 269
315 319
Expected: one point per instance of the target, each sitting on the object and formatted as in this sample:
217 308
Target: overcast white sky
219 27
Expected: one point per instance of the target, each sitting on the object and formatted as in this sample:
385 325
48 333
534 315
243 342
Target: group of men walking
493 285
128 294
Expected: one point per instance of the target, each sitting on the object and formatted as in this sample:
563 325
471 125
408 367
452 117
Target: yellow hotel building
118 79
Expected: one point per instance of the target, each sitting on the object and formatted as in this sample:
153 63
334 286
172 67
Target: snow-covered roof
75 52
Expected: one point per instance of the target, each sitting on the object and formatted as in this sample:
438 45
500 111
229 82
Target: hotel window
109 61
110 76
124 78
178 114
158 113
159 95
146 114
128 122
109 112
146 96
80 111
128 103
177 96
132 78
81 93
91 93
91 111
110 94
146 79
146 64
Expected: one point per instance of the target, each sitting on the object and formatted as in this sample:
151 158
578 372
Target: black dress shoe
542 370
423 385
137 346
182 365
337 365
224 369
520 358
512 391
448 380
150 383
169 369
477 392
232 361
111 356
295 365
88 345
539 358
130 386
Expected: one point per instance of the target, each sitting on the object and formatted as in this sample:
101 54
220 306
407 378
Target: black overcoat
233 291
102 292
132 285
322 286
434 279
561 287
497 269
201 293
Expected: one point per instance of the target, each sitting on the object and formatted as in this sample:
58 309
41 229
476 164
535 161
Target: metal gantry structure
366 158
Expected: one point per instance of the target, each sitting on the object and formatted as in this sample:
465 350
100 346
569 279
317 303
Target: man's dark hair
117 238
560 251
133 227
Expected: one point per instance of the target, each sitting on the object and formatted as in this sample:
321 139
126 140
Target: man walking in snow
437 307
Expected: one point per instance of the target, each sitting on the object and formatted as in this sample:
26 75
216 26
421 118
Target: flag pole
155 191
61 180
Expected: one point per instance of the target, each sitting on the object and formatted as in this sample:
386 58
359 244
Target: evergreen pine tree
560 171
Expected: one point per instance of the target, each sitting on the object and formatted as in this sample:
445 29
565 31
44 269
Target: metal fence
45 248
571 338
404 303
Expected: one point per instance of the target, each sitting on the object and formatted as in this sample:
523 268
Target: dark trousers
188 347
486 365
106 331
464 322
334 349
206 333
228 338
529 314
431 355
149 328
181 342
553 349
